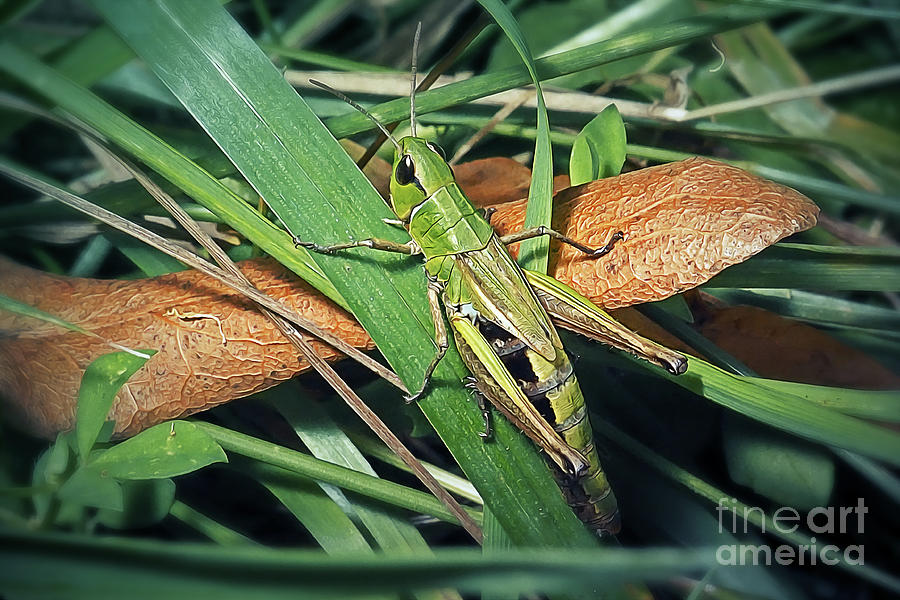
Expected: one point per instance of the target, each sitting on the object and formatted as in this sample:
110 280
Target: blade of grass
210 528
815 308
318 470
311 506
327 442
816 268
534 252
282 149
780 405
95 567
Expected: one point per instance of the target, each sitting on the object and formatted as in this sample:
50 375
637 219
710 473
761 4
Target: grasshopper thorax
419 171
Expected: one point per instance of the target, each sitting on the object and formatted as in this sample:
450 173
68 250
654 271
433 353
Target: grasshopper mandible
500 318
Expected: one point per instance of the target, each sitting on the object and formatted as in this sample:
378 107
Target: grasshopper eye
406 170
437 150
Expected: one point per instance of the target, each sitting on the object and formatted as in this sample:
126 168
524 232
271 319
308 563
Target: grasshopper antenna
412 91
352 103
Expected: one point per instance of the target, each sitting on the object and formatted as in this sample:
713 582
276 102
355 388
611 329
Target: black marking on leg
607 248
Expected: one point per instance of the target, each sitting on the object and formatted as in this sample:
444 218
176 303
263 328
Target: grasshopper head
419 170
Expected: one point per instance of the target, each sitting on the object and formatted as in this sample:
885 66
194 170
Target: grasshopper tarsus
413 398
319 249
486 415
442 350
606 248
677 367
534 232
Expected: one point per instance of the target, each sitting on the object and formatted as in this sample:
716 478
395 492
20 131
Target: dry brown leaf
684 222
184 316
490 181
779 348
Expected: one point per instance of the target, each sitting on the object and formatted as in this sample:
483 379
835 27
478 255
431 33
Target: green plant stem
210 528
347 479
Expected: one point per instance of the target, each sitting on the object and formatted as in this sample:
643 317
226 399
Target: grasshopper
500 318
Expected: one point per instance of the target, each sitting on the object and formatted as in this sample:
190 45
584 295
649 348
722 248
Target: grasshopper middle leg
527 234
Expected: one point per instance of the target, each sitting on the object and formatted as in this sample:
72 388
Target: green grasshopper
498 314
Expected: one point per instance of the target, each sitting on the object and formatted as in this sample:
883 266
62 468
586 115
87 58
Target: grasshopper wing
501 295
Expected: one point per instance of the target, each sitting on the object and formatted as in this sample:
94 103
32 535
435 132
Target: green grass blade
815 308
98 53
816 268
56 565
327 442
332 529
25 310
293 162
782 407
209 527
313 468
534 252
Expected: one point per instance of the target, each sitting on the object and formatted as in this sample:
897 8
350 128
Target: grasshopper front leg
408 248
527 234
435 288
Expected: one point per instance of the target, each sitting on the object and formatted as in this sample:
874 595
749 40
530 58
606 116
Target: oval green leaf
599 150
166 450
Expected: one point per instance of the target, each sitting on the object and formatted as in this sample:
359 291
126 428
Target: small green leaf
599 150
50 468
144 503
166 450
86 487
99 385
58 456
